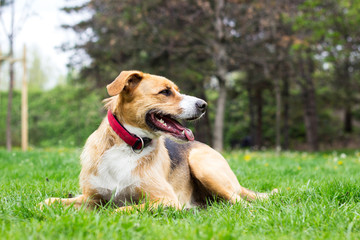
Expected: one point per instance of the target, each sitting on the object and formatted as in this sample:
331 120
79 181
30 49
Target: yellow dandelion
299 168
266 164
288 188
247 157
340 163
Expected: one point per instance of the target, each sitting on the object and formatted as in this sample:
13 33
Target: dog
141 150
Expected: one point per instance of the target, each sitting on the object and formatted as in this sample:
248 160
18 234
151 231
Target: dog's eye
165 92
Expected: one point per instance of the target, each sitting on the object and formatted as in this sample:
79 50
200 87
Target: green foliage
38 72
133 35
4 3
311 204
15 120
176 39
63 116
66 116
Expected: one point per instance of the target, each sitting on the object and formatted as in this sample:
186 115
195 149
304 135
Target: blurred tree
262 49
164 37
220 57
10 35
170 36
306 68
340 41
281 46
330 30
37 72
161 37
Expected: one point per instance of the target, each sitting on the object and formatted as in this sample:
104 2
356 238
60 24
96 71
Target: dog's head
153 103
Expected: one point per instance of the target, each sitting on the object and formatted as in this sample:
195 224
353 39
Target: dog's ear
126 81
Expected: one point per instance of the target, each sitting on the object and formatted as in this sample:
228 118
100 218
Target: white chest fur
115 171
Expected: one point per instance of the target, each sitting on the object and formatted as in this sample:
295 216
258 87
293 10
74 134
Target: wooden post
24 105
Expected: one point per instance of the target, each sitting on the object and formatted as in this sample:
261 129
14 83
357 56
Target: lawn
319 199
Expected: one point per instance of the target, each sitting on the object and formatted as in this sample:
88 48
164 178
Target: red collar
136 143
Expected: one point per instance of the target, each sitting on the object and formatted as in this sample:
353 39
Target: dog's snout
192 107
201 105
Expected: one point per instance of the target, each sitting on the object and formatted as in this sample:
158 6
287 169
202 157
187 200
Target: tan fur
122 81
204 172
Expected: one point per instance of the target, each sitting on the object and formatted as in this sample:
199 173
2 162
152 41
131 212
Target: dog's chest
115 177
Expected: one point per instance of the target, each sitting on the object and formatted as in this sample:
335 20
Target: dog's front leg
77 202
152 204
157 196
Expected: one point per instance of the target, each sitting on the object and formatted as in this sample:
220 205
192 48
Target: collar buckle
142 145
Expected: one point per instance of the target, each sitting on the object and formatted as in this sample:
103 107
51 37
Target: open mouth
166 123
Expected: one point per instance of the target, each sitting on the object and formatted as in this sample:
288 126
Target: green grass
319 199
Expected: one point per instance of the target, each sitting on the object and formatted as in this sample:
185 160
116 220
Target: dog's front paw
262 196
274 191
265 196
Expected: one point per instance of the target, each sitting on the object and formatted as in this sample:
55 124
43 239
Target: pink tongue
189 135
175 124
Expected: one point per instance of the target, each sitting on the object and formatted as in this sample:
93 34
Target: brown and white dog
155 165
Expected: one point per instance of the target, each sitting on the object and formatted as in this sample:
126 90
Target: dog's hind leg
214 173
77 202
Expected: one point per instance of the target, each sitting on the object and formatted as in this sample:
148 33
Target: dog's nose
201 105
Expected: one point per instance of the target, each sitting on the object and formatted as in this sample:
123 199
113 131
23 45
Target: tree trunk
259 107
219 118
278 114
346 83
286 97
10 99
251 112
202 127
11 82
310 118
220 59
348 127
309 99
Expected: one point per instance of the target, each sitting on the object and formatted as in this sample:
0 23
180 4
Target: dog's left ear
126 81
